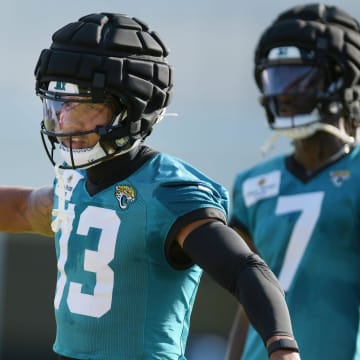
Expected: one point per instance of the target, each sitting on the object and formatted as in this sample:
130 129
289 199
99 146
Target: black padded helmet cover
326 29
112 54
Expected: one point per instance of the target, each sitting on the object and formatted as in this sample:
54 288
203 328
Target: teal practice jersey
117 295
308 232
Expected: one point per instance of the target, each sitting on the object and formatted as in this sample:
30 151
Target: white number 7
309 206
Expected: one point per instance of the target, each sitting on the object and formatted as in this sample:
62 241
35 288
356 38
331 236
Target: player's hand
285 355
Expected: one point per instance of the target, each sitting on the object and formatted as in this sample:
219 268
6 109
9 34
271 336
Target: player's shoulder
171 168
172 172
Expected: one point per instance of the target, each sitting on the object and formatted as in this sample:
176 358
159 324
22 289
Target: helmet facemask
300 94
67 111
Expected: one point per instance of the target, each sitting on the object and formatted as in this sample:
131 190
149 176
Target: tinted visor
292 79
56 105
291 90
54 111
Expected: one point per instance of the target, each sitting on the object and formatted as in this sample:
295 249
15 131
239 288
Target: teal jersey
117 295
308 232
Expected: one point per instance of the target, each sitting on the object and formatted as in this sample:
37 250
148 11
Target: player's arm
225 256
240 325
26 210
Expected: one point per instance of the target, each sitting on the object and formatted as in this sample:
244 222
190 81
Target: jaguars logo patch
339 176
125 195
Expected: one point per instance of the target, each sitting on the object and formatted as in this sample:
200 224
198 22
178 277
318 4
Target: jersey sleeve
186 202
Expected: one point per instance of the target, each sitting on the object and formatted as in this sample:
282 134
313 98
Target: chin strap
269 144
63 217
304 132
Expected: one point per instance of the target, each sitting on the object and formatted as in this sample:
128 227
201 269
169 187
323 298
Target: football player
307 67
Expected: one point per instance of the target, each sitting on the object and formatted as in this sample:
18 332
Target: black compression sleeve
222 253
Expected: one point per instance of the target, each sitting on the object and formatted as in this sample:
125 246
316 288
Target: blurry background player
130 223
307 67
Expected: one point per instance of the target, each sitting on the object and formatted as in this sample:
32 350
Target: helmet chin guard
81 157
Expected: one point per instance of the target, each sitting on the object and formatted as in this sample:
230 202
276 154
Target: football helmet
103 61
307 67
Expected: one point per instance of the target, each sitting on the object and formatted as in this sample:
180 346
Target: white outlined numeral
309 206
99 302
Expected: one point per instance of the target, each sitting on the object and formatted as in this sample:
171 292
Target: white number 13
98 303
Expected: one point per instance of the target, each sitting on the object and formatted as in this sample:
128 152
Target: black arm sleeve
224 255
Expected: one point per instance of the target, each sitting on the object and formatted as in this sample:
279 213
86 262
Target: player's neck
316 153
117 169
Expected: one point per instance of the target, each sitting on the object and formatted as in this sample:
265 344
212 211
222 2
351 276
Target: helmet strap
304 132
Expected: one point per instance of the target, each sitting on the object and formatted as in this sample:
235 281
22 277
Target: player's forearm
13 204
25 210
225 256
